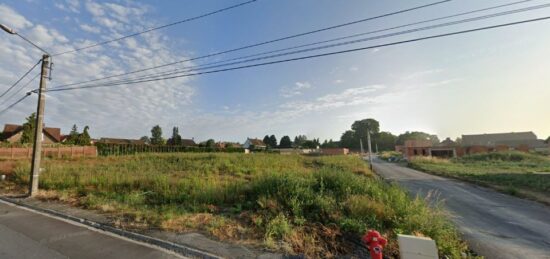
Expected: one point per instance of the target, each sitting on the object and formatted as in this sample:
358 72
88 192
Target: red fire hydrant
375 243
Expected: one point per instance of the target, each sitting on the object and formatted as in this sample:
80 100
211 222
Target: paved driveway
494 224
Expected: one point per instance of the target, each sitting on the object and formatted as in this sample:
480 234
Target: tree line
381 140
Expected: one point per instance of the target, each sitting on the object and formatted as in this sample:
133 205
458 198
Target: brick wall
58 152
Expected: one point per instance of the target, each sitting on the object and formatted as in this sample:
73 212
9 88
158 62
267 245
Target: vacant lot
516 173
296 204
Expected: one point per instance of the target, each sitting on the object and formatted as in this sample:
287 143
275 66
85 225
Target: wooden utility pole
37 148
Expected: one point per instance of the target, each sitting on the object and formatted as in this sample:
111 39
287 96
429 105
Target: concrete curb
177 248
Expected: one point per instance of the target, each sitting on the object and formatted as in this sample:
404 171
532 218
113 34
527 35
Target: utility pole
37 148
361 144
370 150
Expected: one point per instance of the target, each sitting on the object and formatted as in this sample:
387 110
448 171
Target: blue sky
493 81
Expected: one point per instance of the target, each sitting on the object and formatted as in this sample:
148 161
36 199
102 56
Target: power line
206 66
155 28
19 80
15 103
265 42
317 55
20 89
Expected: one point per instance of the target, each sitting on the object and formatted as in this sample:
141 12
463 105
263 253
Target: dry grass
295 204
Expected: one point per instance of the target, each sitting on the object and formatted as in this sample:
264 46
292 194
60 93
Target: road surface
495 225
26 234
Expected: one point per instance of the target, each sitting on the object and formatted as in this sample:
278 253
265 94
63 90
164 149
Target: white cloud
68 6
338 81
353 69
94 8
348 97
123 111
11 18
90 28
297 89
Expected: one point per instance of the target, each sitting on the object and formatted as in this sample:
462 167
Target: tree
458 141
73 136
385 141
310 144
273 141
28 129
267 141
285 142
547 141
416 135
330 144
210 143
348 140
156 135
145 139
176 138
83 139
300 140
361 127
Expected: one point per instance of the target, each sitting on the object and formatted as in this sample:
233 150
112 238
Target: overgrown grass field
296 204
513 172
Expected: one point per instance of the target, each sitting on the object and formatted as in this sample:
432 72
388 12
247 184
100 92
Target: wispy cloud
68 6
122 111
295 90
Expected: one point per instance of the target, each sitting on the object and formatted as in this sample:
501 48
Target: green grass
390 155
296 204
511 171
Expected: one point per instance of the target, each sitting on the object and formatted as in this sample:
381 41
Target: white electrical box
413 247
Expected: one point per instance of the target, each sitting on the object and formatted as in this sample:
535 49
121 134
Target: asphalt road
27 234
495 225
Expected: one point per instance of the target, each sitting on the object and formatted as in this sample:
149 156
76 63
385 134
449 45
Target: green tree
84 139
330 144
458 141
285 142
363 126
547 141
273 141
73 136
176 137
348 140
156 135
28 129
416 135
210 143
300 140
310 144
385 141
267 141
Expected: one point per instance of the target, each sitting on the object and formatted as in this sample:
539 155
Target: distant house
254 143
472 144
120 141
523 141
12 133
188 142
334 151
